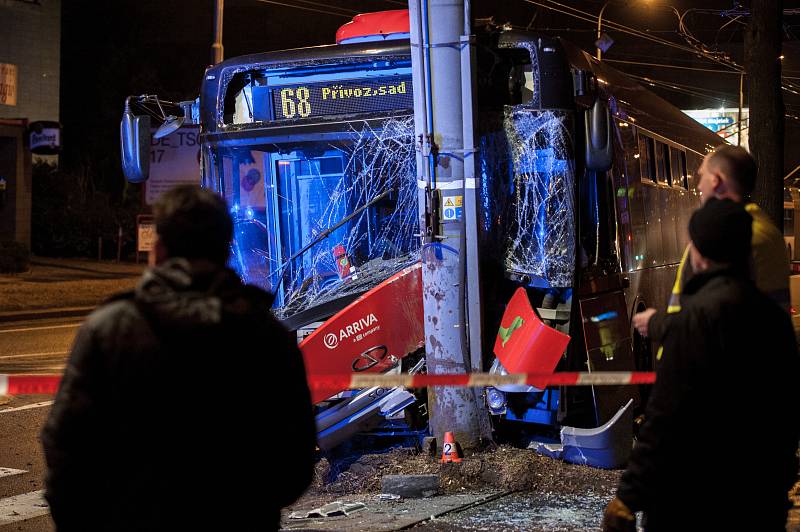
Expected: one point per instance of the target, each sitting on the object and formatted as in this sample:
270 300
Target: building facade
30 44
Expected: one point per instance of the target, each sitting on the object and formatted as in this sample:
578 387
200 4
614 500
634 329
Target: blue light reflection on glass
605 316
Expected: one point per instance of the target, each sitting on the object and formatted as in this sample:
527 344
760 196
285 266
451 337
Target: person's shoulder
719 293
730 298
764 231
117 310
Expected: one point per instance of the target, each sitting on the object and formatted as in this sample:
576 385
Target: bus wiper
327 232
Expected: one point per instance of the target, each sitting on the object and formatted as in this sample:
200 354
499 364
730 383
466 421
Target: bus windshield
316 221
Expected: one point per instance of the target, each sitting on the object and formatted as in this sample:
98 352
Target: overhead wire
589 17
676 88
665 65
697 47
787 85
295 6
329 6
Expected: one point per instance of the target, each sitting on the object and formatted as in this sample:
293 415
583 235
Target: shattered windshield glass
317 221
541 219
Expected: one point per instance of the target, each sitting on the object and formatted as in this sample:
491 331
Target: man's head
721 231
728 172
192 223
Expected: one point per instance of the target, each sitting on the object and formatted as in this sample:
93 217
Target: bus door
308 196
244 176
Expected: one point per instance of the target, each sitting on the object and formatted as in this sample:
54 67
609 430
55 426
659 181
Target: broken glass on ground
332 509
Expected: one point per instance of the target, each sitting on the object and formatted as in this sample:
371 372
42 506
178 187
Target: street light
217 54
599 29
600 25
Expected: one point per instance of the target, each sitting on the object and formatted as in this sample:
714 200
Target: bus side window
662 163
630 208
684 170
646 158
677 173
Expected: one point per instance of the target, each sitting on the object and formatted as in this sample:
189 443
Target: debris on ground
333 509
410 486
507 468
503 488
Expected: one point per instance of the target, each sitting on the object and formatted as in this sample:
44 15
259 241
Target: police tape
48 384
29 384
357 381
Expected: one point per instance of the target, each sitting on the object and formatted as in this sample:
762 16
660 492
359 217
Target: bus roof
649 110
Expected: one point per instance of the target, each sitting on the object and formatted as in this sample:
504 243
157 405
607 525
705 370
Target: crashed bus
586 183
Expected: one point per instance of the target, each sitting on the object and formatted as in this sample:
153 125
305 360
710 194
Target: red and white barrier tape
48 384
29 384
368 380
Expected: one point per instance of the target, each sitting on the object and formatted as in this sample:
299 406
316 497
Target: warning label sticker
454 201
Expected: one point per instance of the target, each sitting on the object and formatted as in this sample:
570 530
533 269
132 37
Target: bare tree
766 131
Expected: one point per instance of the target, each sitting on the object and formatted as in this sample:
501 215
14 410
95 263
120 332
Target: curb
23 315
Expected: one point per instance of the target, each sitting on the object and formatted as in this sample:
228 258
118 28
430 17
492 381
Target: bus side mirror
134 133
599 149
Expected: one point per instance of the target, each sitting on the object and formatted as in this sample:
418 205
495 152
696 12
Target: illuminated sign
715 123
352 97
724 121
45 137
8 84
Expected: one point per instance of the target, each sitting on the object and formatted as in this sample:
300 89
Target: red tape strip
33 384
48 384
366 380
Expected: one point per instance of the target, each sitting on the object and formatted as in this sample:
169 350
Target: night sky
114 49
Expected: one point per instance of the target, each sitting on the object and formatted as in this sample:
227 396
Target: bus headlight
495 400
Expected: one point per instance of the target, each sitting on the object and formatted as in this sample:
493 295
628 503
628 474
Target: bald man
729 172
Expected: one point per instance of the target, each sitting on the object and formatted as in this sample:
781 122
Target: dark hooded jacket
718 447
184 406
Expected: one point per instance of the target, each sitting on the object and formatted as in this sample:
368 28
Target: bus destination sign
342 98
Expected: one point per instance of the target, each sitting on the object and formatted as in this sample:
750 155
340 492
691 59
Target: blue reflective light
249 213
605 316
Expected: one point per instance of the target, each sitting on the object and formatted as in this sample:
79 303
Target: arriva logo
331 340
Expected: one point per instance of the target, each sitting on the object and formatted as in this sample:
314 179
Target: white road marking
26 407
42 328
9 472
52 353
22 507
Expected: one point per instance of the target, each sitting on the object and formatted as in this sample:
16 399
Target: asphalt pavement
37 340
36 346
60 288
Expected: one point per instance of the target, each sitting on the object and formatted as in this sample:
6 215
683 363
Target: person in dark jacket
718 447
184 405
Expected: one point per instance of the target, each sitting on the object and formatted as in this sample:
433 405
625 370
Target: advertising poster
174 160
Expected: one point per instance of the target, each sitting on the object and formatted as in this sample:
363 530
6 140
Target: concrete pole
436 27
